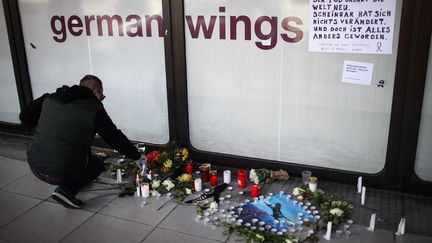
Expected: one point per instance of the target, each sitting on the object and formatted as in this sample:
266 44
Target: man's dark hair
90 81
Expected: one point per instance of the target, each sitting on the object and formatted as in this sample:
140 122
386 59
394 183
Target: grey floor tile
11 169
234 238
102 228
13 205
95 196
409 238
133 208
162 235
48 222
183 219
31 186
359 234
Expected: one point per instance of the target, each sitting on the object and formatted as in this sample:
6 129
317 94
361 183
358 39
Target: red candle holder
213 178
205 168
189 167
241 178
255 190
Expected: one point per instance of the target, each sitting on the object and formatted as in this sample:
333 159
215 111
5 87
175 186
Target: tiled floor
28 214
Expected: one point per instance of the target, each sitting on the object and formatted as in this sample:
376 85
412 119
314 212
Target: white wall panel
132 68
9 103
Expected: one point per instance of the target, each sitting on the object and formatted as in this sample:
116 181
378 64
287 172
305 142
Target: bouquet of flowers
170 158
264 176
333 208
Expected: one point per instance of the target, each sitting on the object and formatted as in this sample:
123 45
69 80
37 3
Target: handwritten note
351 26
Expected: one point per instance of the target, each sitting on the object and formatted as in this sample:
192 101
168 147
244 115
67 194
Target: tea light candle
227 176
198 184
145 190
230 188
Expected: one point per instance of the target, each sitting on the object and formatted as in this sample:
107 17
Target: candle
145 189
189 167
401 228
363 195
241 178
255 190
359 184
205 168
198 184
119 176
138 188
213 178
313 183
227 176
328 233
372 222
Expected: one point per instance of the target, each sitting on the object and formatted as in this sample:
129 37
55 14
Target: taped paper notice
357 72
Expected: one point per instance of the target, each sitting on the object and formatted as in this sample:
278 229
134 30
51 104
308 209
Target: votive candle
198 184
145 189
227 176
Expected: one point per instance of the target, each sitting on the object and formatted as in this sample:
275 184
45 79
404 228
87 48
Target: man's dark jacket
66 123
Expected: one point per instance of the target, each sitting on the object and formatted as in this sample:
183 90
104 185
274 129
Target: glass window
423 162
9 102
255 89
121 42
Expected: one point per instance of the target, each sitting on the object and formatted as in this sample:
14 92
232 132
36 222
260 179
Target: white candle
138 191
359 184
328 233
372 222
401 228
119 176
198 184
145 190
363 195
312 186
227 176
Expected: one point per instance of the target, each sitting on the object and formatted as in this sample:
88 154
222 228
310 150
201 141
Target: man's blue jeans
73 185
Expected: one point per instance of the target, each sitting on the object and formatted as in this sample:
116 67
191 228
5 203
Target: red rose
153 156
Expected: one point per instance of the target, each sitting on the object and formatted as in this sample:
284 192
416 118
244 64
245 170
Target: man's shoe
66 199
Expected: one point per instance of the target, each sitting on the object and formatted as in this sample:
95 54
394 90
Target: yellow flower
185 178
185 154
165 169
168 163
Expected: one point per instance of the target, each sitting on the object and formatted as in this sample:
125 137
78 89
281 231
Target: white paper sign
351 26
357 72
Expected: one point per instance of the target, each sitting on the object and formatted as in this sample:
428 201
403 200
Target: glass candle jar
255 190
213 178
189 167
205 169
241 178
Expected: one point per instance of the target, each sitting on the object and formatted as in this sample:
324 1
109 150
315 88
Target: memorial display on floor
254 215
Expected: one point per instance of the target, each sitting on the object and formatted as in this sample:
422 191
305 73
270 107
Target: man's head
94 84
